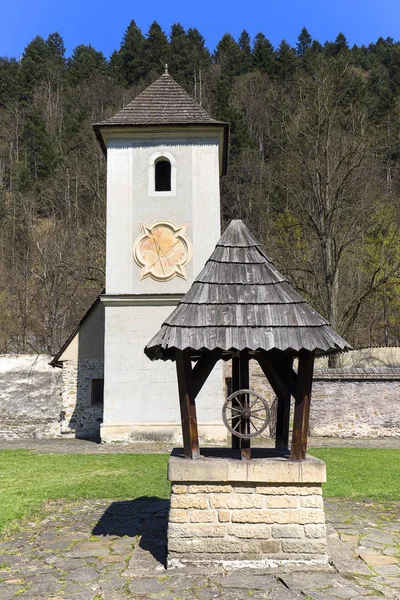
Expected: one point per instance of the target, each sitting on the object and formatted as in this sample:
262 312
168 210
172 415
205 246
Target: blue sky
102 23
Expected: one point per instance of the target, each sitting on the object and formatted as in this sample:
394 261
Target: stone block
186 501
287 531
282 502
176 530
294 490
251 547
203 516
204 546
280 517
315 531
210 489
178 516
224 516
314 501
259 531
179 489
270 547
236 501
221 469
245 489
304 546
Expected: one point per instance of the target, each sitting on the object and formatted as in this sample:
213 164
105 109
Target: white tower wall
140 397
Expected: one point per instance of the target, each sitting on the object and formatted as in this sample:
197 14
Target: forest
313 170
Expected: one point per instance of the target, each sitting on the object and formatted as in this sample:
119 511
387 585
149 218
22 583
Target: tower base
264 512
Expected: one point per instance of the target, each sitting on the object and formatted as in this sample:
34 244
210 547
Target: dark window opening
163 175
97 392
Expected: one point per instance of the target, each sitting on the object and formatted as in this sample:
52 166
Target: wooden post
302 405
283 416
235 441
240 381
187 405
245 449
278 369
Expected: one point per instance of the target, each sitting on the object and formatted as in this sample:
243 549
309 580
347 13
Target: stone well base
264 512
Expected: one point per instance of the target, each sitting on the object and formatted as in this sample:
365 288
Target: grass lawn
27 480
361 472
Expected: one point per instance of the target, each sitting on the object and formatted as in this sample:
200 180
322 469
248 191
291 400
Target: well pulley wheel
246 414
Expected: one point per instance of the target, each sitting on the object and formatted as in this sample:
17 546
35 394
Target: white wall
129 204
141 397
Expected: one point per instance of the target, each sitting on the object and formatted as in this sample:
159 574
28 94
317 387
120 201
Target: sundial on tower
163 250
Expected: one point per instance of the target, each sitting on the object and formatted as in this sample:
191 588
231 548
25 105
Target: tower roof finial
166 68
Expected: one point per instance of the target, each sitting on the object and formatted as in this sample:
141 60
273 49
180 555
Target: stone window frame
154 158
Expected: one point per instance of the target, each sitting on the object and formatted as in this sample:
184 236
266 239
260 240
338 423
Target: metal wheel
246 414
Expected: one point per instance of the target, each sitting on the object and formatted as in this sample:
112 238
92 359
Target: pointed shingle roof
239 301
163 102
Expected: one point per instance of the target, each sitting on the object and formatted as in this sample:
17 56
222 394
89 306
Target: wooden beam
302 405
278 371
187 405
235 441
202 370
283 416
244 374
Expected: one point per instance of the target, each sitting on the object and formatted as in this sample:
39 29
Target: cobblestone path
102 550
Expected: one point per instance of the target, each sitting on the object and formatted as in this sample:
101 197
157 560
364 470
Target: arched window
162 175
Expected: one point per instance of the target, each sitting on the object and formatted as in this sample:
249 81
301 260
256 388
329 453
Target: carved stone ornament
163 250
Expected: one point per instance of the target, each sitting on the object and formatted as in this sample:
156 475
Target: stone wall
356 402
268 511
239 522
79 417
348 401
30 396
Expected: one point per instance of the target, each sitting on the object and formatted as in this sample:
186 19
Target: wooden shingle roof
164 102
240 301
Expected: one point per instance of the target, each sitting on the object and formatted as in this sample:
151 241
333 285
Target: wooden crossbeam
202 370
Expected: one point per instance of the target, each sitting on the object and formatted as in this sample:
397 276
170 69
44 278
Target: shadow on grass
145 517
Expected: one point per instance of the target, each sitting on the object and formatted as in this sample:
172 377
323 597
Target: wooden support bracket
190 382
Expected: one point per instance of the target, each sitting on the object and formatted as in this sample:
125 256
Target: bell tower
165 155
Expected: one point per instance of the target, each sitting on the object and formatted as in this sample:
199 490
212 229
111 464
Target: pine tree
263 54
339 45
34 65
179 55
156 49
40 150
85 64
304 42
286 60
199 56
228 56
131 67
9 81
245 47
56 47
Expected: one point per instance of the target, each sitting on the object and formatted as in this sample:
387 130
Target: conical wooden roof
241 301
